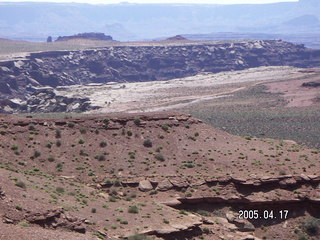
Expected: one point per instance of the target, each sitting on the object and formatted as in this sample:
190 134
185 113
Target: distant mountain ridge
148 21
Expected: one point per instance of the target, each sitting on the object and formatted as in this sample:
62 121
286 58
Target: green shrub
137 121
19 208
23 224
103 144
58 133
58 143
106 121
71 124
133 209
100 157
60 190
83 153
21 184
108 182
59 167
302 237
165 127
160 157
166 221
206 230
31 127
81 141
139 237
83 130
80 168
147 143
117 183
203 213
51 159
14 147
312 226
36 154
158 149
112 199
93 210
125 222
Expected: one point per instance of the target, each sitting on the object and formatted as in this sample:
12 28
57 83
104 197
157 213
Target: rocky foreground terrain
165 176
25 77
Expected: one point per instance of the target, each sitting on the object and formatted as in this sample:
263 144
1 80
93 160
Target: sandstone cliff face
145 63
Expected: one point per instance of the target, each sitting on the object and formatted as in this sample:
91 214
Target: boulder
145 186
165 185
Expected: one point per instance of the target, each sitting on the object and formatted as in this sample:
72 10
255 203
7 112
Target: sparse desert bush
93 210
100 157
122 221
23 224
129 133
133 209
83 153
83 130
80 168
147 143
312 226
49 145
139 237
133 195
106 121
160 157
117 183
203 213
192 138
108 182
70 124
19 208
206 230
166 221
137 121
58 143
58 133
103 144
51 159
36 154
158 149
14 147
21 184
165 127
31 127
188 194
81 141
59 167
282 172
60 190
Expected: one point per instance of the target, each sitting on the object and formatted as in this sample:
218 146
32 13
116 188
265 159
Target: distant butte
91 36
177 38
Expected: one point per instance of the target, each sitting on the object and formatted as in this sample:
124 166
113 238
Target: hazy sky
158 1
